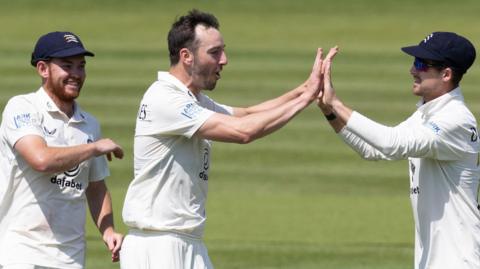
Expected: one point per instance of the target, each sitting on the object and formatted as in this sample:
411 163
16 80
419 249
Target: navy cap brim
420 52
71 52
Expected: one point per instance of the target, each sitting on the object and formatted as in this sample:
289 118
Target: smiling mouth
72 83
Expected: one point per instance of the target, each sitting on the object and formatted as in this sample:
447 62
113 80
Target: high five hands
314 87
326 95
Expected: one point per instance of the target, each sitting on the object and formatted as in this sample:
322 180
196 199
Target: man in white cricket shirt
52 163
440 140
165 203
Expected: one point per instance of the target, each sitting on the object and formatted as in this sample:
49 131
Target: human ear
42 69
186 56
447 74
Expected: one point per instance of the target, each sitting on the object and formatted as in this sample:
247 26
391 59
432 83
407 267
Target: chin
210 87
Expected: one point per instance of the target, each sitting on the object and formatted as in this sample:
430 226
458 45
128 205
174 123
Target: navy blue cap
453 50
58 45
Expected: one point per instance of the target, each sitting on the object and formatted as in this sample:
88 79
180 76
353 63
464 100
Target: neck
186 78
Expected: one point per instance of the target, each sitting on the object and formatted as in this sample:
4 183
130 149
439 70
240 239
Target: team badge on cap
70 38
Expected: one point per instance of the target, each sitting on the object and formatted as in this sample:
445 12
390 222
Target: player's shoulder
28 98
22 102
160 90
163 94
457 112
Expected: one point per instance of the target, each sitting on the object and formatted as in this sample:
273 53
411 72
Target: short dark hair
457 74
182 33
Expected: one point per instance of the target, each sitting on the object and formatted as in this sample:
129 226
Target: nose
223 59
413 70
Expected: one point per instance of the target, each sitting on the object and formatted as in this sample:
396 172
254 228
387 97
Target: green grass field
298 198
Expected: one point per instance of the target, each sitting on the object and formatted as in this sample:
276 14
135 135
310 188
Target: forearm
100 204
245 129
265 122
276 102
59 159
364 149
43 158
47 159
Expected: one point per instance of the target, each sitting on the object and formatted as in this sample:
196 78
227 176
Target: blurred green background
298 198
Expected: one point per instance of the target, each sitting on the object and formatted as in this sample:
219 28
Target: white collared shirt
171 163
441 143
42 215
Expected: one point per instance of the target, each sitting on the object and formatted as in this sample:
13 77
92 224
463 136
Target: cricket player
176 124
440 141
52 163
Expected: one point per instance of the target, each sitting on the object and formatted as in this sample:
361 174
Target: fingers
108 147
331 54
327 66
329 58
114 244
118 153
317 65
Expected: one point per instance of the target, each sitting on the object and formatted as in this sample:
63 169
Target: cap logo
70 38
427 38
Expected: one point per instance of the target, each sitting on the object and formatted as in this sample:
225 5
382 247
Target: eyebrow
217 47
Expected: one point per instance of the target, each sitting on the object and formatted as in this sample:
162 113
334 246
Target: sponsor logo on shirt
65 180
49 132
23 120
191 110
474 136
142 112
415 190
434 127
206 164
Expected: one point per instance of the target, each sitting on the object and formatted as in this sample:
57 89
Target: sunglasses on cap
422 65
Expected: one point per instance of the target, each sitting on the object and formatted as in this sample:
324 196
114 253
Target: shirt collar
166 76
440 101
47 103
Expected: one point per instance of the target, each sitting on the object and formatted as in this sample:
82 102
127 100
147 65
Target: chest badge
49 132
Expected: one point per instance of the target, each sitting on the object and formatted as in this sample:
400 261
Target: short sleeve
168 111
20 118
210 104
99 169
99 165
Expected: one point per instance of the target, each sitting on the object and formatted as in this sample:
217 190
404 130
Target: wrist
330 116
325 108
107 232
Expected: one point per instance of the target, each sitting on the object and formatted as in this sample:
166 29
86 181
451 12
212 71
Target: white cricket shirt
42 215
441 143
171 163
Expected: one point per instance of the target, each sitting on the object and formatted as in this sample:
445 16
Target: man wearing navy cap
52 161
440 140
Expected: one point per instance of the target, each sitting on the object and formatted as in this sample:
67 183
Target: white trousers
161 250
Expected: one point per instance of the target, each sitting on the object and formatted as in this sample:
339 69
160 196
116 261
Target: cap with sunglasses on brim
449 48
58 45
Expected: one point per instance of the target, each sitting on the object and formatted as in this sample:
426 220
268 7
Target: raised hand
327 95
314 84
